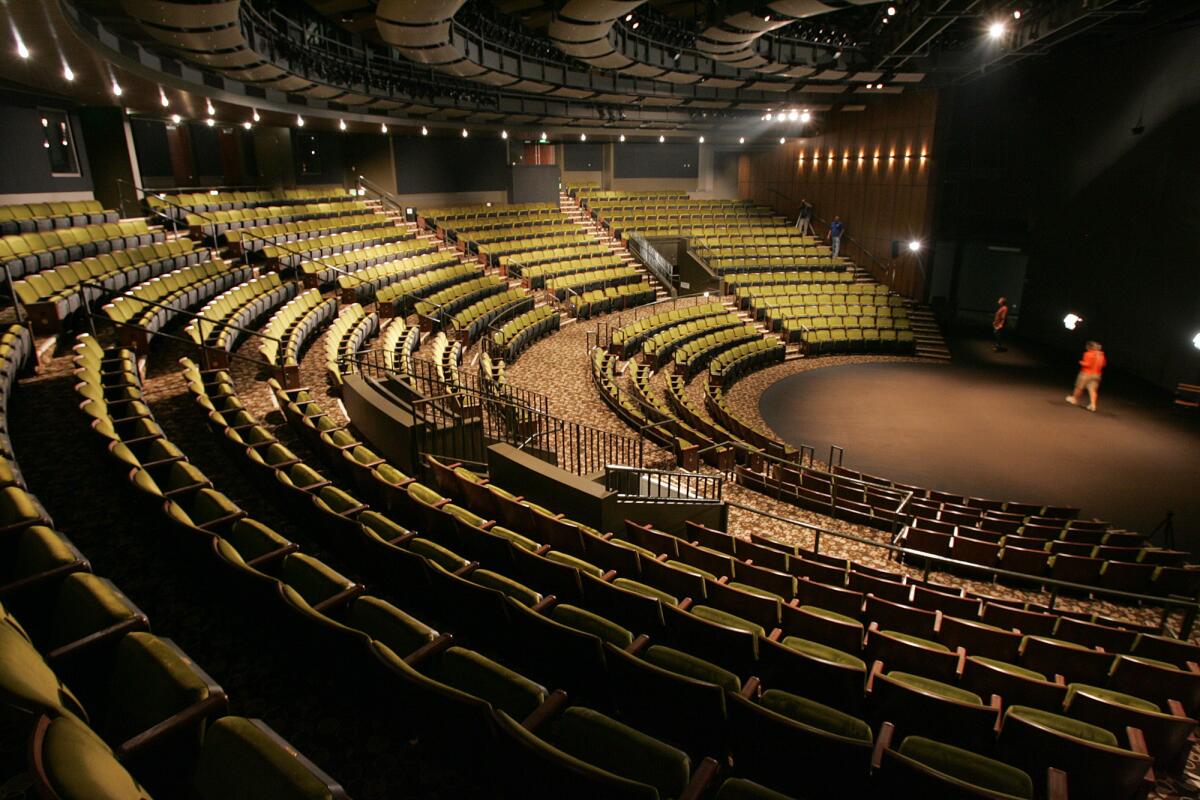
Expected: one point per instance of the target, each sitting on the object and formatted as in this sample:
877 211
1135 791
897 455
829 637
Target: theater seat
923 767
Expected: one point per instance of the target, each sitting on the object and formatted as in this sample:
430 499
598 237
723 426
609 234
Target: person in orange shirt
1090 368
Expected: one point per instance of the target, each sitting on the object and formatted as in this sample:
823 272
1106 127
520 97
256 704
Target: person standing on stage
804 218
834 237
998 323
1090 368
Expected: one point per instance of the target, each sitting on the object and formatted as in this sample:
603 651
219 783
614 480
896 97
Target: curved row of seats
362 284
581 282
31 217
25 254
293 254
718 409
447 358
730 365
844 280
397 299
444 303
523 330
473 321
659 348
149 306
219 223
695 354
494 252
676 433
627 340
350 330
492 369
536 277
484 242
398 344
254 239
168 204
222 322
594 302
515 265
448 215
468 229
330 268
110 707
291 327
50 297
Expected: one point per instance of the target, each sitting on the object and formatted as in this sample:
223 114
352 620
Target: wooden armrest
216 704
750 687
115 631
1056 784
876 669
1175 708
122 420
547 711
542 550
685 604
207 526
1192 666
1060 680
273 555
428 650
163 462
886 731
608 576
341 598
402 538
775 635
545 604
150 437
195 487
704 775
638 645
723 580
312 488
20 585
467 569
21 524
995 702
962 660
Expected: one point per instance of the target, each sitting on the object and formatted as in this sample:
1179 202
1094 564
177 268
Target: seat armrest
440 644
341 598
886 732
215 705
550 708
704 775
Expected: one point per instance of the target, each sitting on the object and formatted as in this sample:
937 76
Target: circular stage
996 425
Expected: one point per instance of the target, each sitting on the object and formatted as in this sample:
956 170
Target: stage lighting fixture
210 122
793 115
383 128
247 125
68 73
254 117
208 107
805 117
701 140
503 134
782 140
914 246
661 138
891 11
341 124
22 50
741 140
1071 320
176 119
162 98
116 88
1017 14
1196 341
465 134
629 17
583 137
424 131
768 116
621 138
996 30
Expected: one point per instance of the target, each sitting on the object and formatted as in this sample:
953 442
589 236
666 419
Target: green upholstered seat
754 590
87 604
720 617
384 622
517 591
648 591
444 557
27 682
1066 725
313 580
464 515
965 767
1011 669
524 542
617 748
571 561
917 640
679 565
823 652
816 715
478 675
584 620
79 766
923 684
152 680
831 615
252 539
243 758
686 664
1110 696
642 551
742 789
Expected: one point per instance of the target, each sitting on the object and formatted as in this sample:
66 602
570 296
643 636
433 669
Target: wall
108 149
26 176
1108 218
274 156
882 200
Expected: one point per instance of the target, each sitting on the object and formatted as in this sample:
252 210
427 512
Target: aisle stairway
595 230
930 342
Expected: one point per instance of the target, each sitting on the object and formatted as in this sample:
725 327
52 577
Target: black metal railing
634 484
653 260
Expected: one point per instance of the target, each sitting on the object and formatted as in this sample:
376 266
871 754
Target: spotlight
210 122
891 11
22 50
701 140
464 133
793 115
741 140
383 128
996 30
1017 14
116 88
914 246
503 134
635 25
805 117
621 138
208 106
255 116
162 98
176 119
628 17
1071 320
767 116
1196 341
424 131
782 140
583 137
247 125
341 124
661 138
299 121
68 73
837 55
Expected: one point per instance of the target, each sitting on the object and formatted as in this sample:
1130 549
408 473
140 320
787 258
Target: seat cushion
831 615
971 768
720 617
917 640
923 684
610 745
1066 725
384 622
742 789
584 620
82 767
240 759
815 715
648 591
1109 696
686 664
823 652
1011 669
509 691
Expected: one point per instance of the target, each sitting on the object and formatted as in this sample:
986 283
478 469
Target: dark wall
319 157
450 165
1043 157
583 157
533 184
656 160
26 165
107 149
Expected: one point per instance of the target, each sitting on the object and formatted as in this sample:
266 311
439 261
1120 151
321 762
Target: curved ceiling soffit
732 41
210 34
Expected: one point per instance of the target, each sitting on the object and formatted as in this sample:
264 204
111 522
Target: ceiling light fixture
583 137
424 131
383 128
1070 321
176 119
116 88
701 140
914 246
805 117
661 138
996 30
782 140
68 73
891 11
793 115
741 140
341 124
503 134
162 98
22 50
247 124
621 138
208 106
464 133
1017 14
210 122
299 121
255 116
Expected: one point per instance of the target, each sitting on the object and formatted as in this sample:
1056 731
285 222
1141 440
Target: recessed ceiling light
621 138
701 140
68 73
299 121
383 127
424 131
176 119
341 124
210 122
583 137
255 116
503 134
116 88
741 140
464 133
661 139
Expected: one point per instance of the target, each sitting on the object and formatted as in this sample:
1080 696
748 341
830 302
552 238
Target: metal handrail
1190 606
679 485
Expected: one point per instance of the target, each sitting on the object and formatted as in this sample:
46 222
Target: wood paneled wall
874 168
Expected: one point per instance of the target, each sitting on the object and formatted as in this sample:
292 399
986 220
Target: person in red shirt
998 323
1090 368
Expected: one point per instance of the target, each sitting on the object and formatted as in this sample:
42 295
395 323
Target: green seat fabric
86 604
584 620
571 561
742 789
967 767
384 622
312 579
648 591
80 766
816 715
823 652
1109 696
151 681
921 683
917 640
682 567
509 691
831 615
241 761
1066 725
1011 669
686 664
445 558
28 681
517 591
720 617
523 542
754 590
625 751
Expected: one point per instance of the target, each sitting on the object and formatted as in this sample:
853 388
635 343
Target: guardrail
654 261
662 486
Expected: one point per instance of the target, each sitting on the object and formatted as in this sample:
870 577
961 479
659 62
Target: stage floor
996 425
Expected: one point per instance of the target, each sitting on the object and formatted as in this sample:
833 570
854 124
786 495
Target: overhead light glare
208 106
22 50
68 73
661 138
782 140
464 133
247 124
162 98
701 140
210 122
116 88
341 124
741 140
914 246
891 11
805 117
299 121
996 30
424 131
1196 341
383 128
1017 14
583 137
503 134
255 116
1070 321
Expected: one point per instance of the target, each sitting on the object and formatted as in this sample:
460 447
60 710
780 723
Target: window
59 143
310 154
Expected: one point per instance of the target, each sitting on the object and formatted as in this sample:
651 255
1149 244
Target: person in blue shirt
834 237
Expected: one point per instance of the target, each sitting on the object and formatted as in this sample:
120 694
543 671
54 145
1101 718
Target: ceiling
621 65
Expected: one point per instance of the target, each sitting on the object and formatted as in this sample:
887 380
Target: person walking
834 237
998 323
1090 367
804 218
